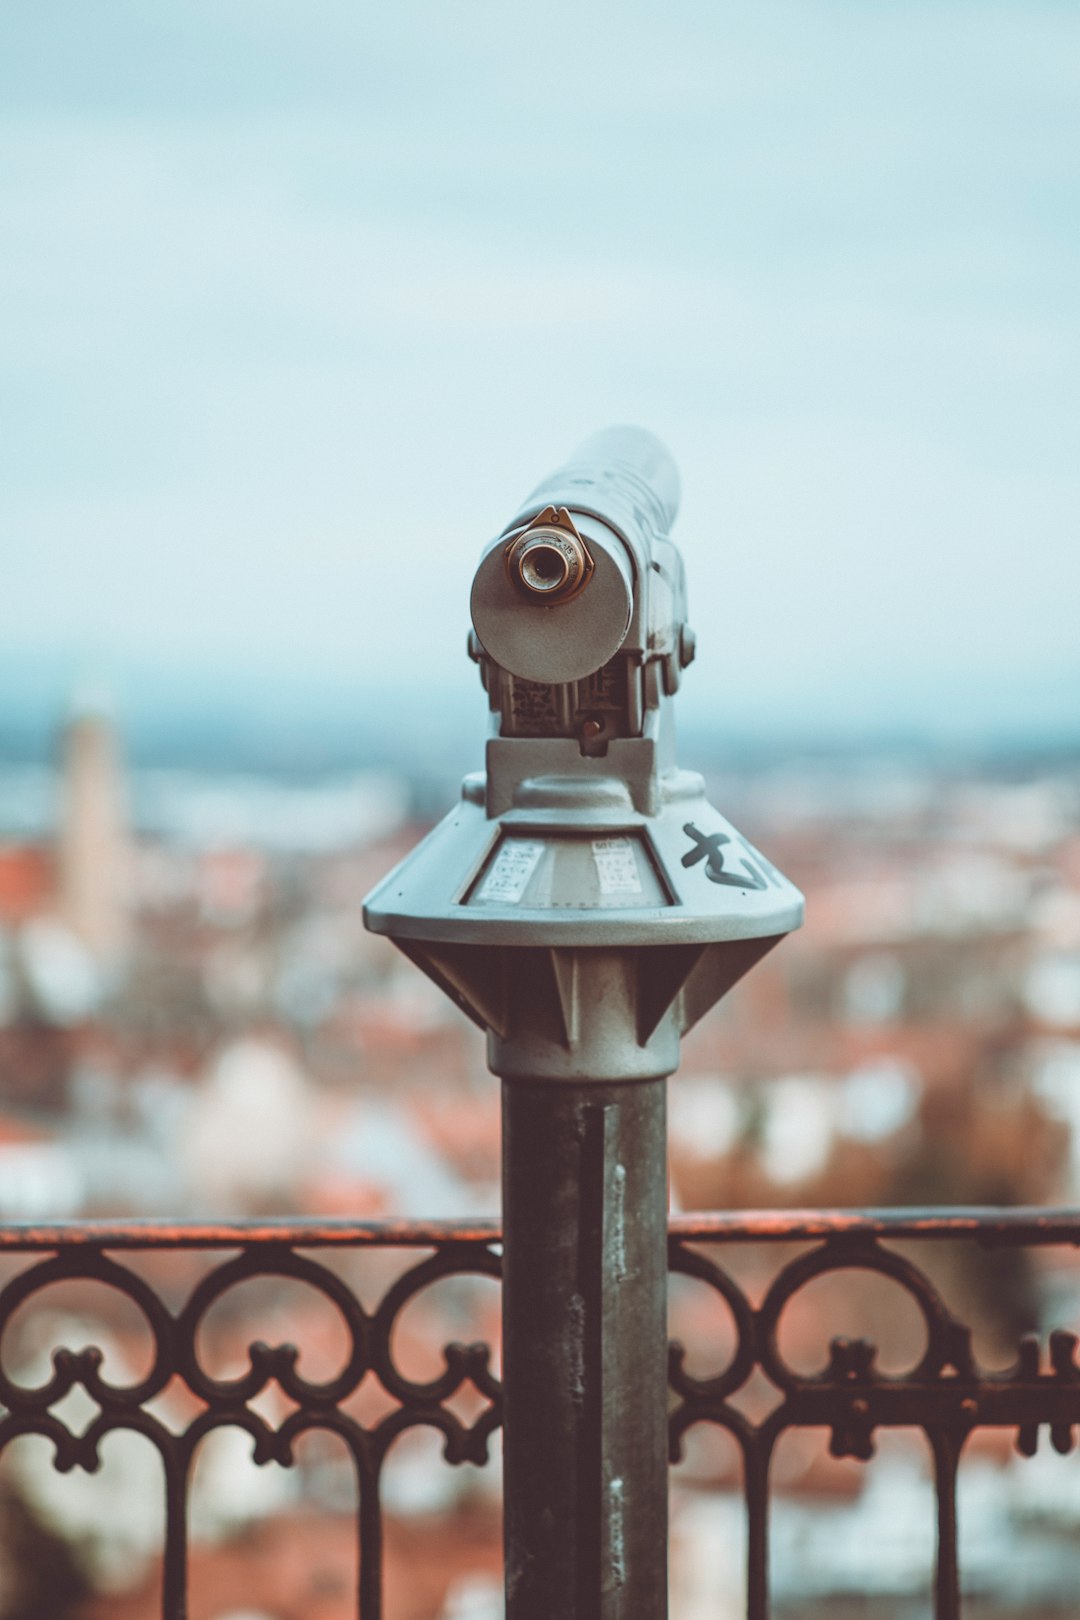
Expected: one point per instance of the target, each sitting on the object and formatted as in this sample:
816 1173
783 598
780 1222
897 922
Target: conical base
591 1013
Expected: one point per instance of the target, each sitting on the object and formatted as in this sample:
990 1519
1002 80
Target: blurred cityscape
193 1022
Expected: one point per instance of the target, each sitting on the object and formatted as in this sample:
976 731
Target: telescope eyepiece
548 563
542 567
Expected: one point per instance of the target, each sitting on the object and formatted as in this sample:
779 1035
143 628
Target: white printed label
616 867
511 870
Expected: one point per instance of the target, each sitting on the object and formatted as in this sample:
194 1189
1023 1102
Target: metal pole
585 1350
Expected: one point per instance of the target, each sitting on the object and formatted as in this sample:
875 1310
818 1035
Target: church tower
93 849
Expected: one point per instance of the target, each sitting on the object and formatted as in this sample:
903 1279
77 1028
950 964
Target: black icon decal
708 847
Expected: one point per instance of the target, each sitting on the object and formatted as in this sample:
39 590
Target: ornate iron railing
946 1394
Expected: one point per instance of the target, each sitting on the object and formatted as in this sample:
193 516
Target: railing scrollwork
945 1392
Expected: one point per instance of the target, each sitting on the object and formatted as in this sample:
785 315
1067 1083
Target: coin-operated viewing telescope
585 905
583 847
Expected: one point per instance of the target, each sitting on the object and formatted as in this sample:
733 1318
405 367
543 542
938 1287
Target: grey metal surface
584 1352
624 475
591 1014
710 882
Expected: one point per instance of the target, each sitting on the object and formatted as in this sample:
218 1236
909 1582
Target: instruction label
616 866
513 866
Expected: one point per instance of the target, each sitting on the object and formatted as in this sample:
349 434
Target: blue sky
296 301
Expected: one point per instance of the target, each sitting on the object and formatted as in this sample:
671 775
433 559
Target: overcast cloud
297 301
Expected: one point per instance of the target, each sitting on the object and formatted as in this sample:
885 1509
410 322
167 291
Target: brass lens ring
548 561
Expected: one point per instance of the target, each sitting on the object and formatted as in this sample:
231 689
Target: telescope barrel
624 476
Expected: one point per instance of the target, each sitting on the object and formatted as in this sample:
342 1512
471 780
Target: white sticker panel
513 866
616 867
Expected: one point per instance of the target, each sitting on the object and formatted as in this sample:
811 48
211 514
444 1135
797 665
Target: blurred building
93 841
193 1021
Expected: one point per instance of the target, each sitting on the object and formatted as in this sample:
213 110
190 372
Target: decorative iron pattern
946 1394
263 1251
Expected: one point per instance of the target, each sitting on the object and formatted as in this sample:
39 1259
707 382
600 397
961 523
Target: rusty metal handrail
1024 1225
947 1394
